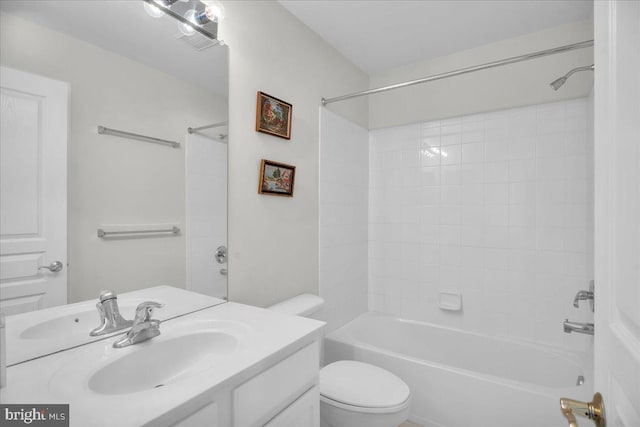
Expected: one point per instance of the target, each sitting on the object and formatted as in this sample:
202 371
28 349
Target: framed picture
276 178
273 116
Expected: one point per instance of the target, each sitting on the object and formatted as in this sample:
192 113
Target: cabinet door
265 395
207 416
304 412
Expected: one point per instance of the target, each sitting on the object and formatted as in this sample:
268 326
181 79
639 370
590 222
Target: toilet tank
301 305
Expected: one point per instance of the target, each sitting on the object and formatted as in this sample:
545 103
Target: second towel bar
102 233
122 134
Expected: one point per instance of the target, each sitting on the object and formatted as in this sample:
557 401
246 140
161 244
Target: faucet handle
582 296
144 311
107 295
110 318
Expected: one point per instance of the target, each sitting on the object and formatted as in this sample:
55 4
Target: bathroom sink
69 324
42 332
182 350
158 364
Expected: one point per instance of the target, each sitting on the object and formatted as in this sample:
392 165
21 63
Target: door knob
54 267
221 254
593 410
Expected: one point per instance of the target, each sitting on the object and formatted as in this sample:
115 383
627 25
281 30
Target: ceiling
380 35
124 27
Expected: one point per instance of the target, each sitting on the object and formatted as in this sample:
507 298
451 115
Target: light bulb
214 10
187 29
153 10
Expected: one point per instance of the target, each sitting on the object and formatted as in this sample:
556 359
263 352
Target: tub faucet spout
581 328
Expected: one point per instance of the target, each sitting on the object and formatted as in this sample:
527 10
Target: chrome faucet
144 327
581 328
110 318
585 296
582 296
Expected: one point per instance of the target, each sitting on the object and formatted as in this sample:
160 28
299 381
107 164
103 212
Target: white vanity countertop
68 326
265 337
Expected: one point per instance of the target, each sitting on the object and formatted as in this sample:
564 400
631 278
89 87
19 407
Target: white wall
273 241
496 206
524 83
114 180
206 213
344 180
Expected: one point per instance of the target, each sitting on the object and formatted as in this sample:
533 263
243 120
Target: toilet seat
364 409
361 387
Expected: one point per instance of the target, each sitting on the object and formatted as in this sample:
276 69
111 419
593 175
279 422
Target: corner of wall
273 241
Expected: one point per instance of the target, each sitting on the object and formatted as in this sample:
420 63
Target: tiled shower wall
205 213
497 207
344 173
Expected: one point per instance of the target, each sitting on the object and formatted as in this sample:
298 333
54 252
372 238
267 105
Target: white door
33 203
617 215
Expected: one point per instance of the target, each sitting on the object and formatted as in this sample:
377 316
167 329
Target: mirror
140 212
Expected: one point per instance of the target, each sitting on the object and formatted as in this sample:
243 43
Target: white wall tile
522 170
430 176
496 236
504 217
450 155
551 144
496 172
522 147
496 194
449 194
206 213
448 139
471 173
496 150
344 211
450 234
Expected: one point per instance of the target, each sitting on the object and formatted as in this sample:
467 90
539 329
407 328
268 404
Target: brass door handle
593 410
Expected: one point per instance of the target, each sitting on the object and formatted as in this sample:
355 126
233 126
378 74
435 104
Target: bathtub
462 379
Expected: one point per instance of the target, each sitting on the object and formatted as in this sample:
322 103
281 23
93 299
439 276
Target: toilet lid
360 384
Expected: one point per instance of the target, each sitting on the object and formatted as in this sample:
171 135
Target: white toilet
354 394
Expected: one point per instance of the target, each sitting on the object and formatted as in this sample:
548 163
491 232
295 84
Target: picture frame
273 116
276 179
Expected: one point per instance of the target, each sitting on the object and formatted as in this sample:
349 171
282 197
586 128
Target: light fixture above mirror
193 16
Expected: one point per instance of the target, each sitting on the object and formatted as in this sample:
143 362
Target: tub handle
593 410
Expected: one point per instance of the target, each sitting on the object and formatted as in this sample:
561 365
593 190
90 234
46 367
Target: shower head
557 83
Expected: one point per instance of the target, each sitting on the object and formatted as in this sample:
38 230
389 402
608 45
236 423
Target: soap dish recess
451 301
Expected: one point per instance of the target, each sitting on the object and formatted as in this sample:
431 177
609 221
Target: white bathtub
461 379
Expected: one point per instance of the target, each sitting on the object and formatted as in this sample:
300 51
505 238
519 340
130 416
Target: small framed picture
276 178
273 116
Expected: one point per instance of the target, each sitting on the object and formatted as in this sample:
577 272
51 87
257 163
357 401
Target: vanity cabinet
230 365
283 395
303 412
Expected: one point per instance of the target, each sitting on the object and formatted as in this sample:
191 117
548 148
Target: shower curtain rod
458 72
215 125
